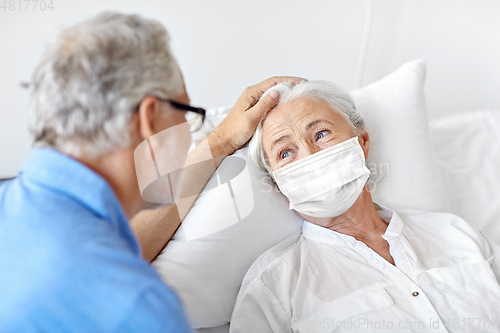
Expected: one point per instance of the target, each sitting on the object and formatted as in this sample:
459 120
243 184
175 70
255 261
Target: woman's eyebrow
315 122
278 140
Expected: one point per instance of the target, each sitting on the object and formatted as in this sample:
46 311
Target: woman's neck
361 221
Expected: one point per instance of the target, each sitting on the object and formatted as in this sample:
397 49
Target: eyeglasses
194 116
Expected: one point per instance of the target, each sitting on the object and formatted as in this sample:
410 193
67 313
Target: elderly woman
358 266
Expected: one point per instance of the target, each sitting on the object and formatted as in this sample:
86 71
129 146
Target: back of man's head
88 84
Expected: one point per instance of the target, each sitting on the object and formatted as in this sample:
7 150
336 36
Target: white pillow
467 148
211 252
405 173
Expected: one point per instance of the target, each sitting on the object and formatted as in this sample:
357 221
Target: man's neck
118 170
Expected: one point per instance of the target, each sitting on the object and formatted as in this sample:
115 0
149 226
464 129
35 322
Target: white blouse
446 279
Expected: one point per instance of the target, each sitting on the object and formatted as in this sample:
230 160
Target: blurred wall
458 39
223 46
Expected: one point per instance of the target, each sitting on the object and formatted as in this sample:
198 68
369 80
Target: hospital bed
447 164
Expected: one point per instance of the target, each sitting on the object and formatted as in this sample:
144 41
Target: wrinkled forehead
298 115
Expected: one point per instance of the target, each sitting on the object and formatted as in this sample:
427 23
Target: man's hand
240 124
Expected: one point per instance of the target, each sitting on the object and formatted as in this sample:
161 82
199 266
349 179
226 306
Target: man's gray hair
333 95
89 83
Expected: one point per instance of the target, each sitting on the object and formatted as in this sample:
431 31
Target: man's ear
364 140
149 110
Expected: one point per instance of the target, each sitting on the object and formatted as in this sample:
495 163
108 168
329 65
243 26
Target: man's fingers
249 109
264 105
262 87
253 93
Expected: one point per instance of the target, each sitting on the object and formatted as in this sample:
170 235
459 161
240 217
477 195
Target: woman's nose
310 148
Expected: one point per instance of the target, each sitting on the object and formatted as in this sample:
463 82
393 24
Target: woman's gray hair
325 91
90 81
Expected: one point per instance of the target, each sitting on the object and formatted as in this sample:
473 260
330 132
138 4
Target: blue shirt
69 261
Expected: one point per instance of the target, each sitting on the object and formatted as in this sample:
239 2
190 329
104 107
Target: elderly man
69 261
357 266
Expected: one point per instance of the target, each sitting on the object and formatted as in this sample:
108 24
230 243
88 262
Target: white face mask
325 184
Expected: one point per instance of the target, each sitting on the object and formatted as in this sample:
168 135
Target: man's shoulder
24 199
57 226
38 216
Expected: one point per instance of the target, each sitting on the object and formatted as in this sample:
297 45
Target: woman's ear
364 141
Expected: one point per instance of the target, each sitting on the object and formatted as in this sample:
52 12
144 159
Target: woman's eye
321 134
285 154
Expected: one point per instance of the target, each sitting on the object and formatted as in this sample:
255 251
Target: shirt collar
396 224
62 173
324 235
